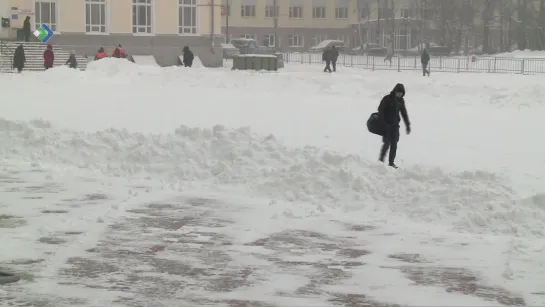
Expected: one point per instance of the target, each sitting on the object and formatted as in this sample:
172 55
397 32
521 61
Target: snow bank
469 201
113 67
522 54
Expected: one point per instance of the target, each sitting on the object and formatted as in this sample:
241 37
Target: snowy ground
142 186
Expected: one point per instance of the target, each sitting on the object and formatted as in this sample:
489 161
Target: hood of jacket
398 88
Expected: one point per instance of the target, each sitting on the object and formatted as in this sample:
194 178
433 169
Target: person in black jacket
26 28
390 107
19 58
334 57
425 59
326 57
187 56
72 62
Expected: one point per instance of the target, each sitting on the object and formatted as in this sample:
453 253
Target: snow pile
113 67
522 54
197 63
469 201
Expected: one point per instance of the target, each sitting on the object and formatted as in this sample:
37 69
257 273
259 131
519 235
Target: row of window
295 12
142 15
403 39
295 40
318 12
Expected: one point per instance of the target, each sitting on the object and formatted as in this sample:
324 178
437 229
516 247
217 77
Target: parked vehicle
373 49
229 51
433 49
250 46
341 47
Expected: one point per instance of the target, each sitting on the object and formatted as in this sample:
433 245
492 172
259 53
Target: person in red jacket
119 52
100 54
49 57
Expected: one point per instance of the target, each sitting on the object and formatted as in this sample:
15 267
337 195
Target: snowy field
141 186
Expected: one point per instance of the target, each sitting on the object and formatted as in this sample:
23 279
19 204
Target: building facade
301 23
298 25
157 27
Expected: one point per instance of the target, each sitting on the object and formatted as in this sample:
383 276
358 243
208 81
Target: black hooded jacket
390 107
19 58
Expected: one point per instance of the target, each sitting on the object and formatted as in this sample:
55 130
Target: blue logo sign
43 33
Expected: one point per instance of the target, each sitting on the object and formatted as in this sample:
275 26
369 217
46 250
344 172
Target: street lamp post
227 9
275 10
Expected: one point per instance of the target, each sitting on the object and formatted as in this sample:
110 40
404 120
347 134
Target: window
225 8
427 14
247 10
142 12
341 9
269 11
364 13
296 12
296 40
384 13
95 16
269 40
341 12
318 12
46 12
405 13
187 16
250 36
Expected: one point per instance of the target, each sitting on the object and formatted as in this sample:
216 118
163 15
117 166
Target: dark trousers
48 66
425 69
327 66
390 140
27 36
334 64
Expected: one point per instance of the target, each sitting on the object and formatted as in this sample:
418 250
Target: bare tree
522 24
506 11
487 16
539 24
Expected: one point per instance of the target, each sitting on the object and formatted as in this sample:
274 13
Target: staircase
34 53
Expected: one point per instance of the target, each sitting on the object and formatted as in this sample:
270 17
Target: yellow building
300 24
304 23
141 26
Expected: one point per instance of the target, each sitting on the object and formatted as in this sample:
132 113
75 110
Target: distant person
187 57
19 58
72 62
49 57
119 52
334 57
425 59
26 28
389 52
326 57
100 54
390 107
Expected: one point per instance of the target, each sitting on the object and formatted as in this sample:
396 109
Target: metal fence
527 66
